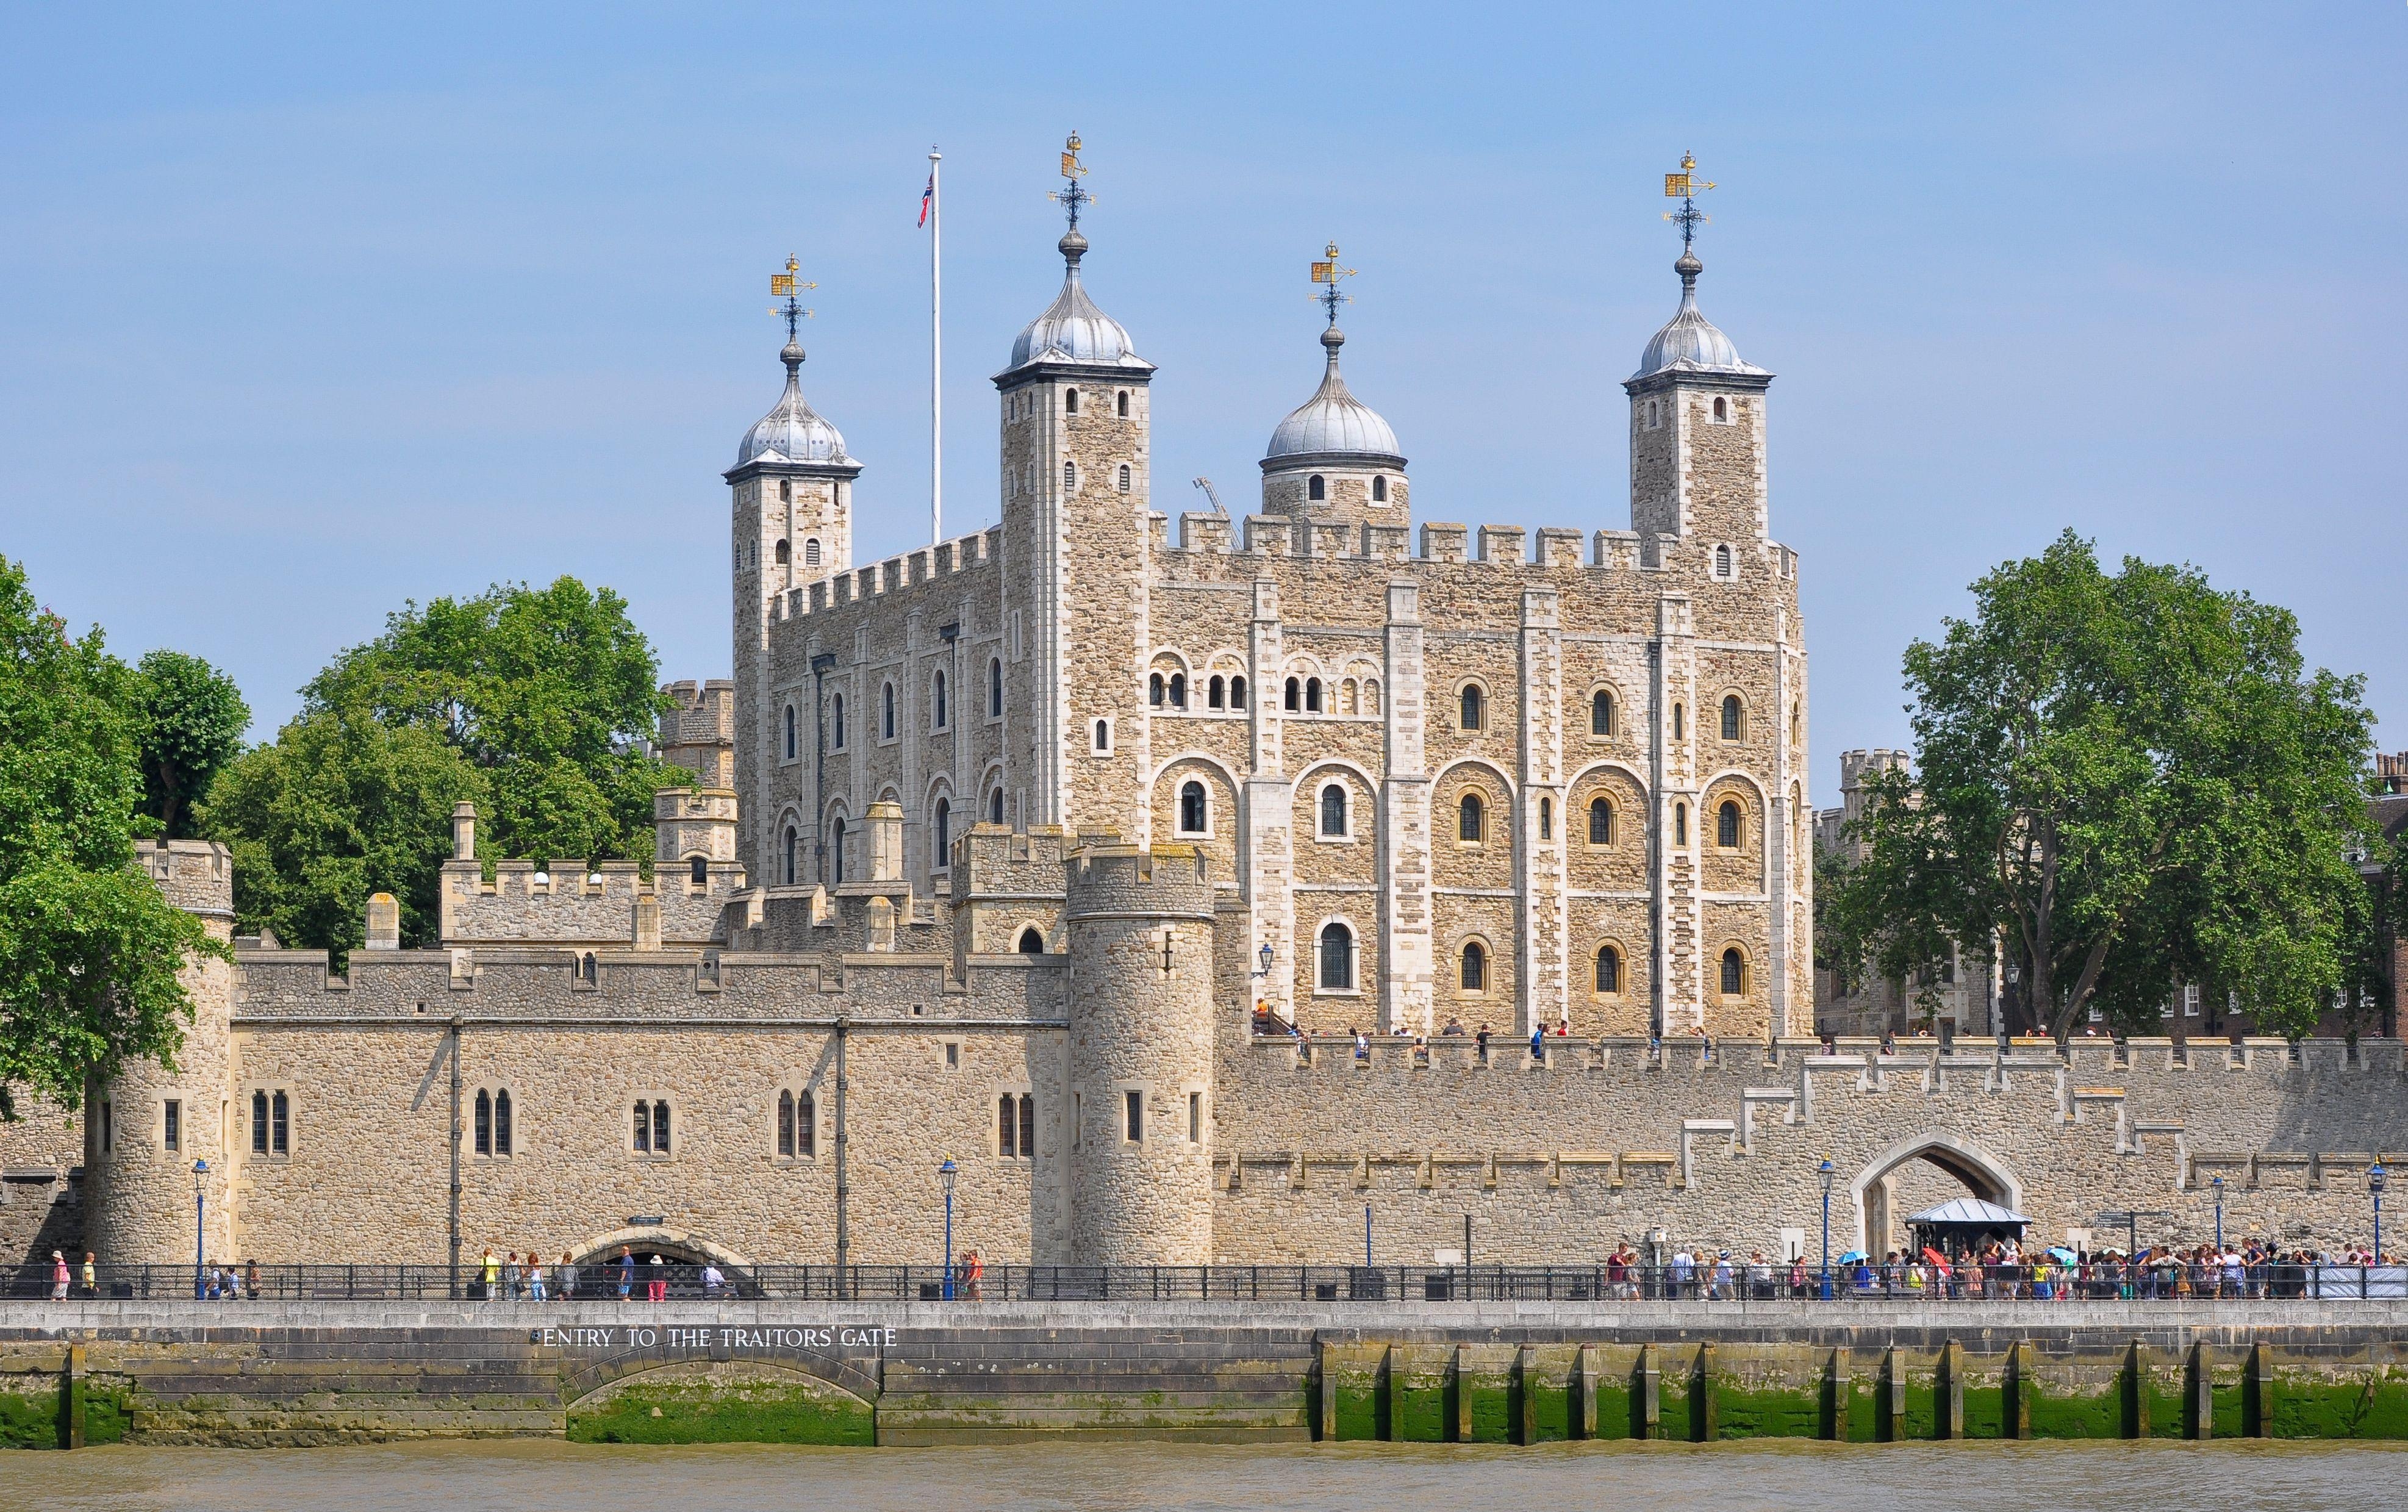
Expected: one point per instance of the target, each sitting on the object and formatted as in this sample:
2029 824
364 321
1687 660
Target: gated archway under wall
1980 1172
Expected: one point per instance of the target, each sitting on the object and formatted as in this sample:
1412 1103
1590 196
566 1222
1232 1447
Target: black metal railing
1707 1281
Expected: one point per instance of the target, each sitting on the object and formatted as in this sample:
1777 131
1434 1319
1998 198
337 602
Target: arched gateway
1981 1172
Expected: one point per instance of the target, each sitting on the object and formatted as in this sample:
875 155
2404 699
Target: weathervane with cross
1685 186
790 284
1072 195
1328 272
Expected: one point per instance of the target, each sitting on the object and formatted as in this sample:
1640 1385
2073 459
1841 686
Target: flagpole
936 355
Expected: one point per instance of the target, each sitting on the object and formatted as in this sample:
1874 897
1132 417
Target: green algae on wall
2371 1406
706 1411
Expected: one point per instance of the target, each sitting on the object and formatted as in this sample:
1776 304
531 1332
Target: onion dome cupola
1074 332
1334 458
791 433
1690 342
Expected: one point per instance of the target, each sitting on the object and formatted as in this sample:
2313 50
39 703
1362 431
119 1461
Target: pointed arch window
1471 819
1031 942
1333 810
1473 974
1600 822
787 1124
1546 819
1192 812
789 870
484 1120
1337 952
1600 713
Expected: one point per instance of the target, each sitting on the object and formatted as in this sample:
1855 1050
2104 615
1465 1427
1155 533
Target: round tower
1333 460
148 1128
1141 928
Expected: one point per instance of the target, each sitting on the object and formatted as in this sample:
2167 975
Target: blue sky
304 314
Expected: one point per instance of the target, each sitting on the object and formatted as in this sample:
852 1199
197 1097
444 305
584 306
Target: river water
1780 1477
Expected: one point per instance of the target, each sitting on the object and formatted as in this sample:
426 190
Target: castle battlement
197 876
896 574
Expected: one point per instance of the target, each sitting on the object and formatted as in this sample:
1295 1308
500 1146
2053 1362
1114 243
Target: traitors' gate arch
1984 1174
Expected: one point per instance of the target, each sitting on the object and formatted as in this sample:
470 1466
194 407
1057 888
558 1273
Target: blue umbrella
1851 1257
2062 1255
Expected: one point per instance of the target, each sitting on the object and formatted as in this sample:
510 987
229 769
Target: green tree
2122 781
192 718
90 949
534 703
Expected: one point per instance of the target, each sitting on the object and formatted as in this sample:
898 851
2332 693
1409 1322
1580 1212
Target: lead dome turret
791 431
1689 342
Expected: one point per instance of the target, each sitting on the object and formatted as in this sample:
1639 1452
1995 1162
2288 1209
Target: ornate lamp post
2217 1182
945 1175
1828 1172
2375 1175
201 1229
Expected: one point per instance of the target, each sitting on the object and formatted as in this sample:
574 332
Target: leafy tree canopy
192 719
90 949
2124 782
534 703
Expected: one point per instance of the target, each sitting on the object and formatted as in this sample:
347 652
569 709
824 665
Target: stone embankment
319 1372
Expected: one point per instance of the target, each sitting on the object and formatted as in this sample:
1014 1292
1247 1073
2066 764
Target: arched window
1215 693
1237 692
838 711
836 850
1679 824
1474 973
810 551
501 1120
1294 693
786 491
484 1121
651 1129
1337 957
790 855
1600 713
1475 706
995 689
1370 695
1349 697
1333 810
1727 825
1734 972
1125 477
786 1124
886 711
1471 818
1070 401
697 871
785 553
1379 491
790 732
944 712
1007 1127
1609 969
1120 403
1179 689
1722 409
587 966
1070 477
1191 814
1154 690
1600 822
944 833
1103 736
1722 562
1680 727
1546 819
994 807
1314 489
1031 942
1313 696
807 1124
1733 717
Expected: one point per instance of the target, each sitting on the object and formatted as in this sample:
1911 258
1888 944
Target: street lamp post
2217 1182
945 1175
200 1229
1829 1171
2375 1175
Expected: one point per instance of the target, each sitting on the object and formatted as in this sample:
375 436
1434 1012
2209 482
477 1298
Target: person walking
534 1275
568 1276
90 1276
712 1278
973 1273
58 1277
489 1273
658 1289
627 1272
510 1274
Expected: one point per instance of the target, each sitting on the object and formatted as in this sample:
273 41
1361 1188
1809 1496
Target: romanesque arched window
1337 952
1333 810
1120 403
1031 942
1070 401
1215 693
786 491
785 553
994 807
1294 693
1237 692
1609 969
1472 969
836 850
1069 478
1179 689
944 834
1600 822
1471 818
697 871
1734 716
790 732
1734 972
791 839
1103 737
1125 477
1192 813
1722 409
995 689
1314 489
1726 824
1379 491
1313 696
1600 713
1722 562
1155 690
1474 706
810 551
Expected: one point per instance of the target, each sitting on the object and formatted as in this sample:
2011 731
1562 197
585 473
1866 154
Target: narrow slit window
501 1120
172 1125
807 1124
995 689
1027 1126
1546 819
1195 1117
259 1124
943 711
1007 1127
787 1124
1135 1104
